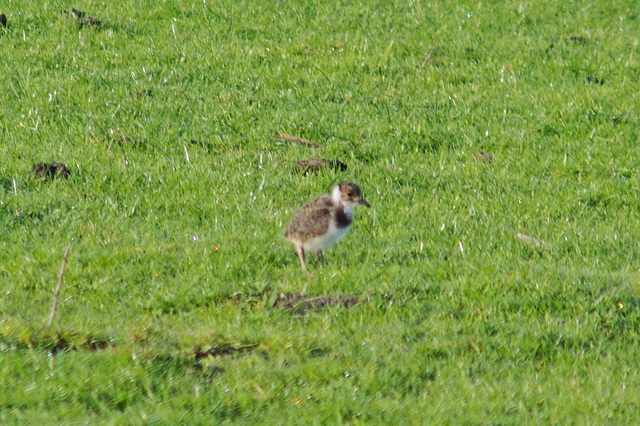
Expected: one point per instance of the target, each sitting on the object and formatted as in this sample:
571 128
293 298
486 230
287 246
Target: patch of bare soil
59 344
49 171
316 164
484 156
301 304
222 350
82 19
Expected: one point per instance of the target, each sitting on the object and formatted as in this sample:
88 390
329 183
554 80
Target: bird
324 221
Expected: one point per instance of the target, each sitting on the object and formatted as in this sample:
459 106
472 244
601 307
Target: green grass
178 197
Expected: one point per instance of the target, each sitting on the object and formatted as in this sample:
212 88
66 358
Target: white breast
327 239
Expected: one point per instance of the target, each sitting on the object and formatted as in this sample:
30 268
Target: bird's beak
363 202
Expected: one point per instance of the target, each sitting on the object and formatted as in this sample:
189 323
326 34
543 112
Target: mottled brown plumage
322 222
312 219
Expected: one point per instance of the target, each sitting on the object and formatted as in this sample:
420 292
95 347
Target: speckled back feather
311 220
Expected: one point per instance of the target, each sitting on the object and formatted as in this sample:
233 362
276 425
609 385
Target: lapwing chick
323 221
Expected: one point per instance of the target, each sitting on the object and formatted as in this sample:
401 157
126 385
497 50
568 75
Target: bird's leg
303 263
321 257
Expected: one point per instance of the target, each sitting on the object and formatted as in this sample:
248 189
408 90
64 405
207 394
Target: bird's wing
311 220
316 221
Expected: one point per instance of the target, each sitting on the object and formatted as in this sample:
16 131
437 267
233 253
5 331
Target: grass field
495 280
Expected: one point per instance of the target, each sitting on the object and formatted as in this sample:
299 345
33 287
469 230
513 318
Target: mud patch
116 136
222 350
49 171
82 19
595 80
290 138
487 157
92 344
301 304
144 93
316 164
578 39
208 146
56 343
